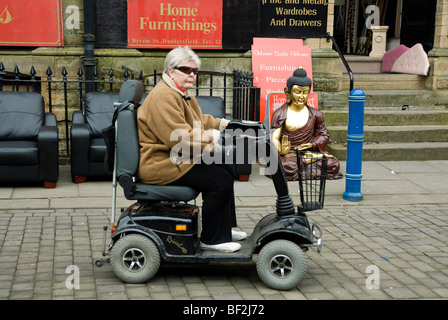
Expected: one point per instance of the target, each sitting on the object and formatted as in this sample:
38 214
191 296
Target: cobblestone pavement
400 248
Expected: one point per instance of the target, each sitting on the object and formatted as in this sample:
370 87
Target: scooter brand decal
171 240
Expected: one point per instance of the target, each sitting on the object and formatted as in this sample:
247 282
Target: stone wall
438 56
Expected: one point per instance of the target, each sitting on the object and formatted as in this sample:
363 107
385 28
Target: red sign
273 62
31 23
173 23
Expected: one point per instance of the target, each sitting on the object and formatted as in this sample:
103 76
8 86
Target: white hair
179 55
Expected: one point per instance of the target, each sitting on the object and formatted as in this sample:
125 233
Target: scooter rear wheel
135 258
281 264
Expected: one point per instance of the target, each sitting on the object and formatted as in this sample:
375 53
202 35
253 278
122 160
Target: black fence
63 95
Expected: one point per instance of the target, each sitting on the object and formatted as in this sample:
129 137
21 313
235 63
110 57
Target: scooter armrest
128 185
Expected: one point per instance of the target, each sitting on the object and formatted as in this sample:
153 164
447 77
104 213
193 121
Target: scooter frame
286 229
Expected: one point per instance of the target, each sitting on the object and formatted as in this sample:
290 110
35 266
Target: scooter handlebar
245 125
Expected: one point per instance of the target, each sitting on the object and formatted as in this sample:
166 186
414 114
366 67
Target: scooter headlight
114 227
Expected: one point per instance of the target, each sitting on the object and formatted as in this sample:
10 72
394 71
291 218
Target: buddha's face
299 95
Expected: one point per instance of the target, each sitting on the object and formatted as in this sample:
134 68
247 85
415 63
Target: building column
438 56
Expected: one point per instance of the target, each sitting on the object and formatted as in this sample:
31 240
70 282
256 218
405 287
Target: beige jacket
172 133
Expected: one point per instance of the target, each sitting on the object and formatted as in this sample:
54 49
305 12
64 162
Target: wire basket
312 167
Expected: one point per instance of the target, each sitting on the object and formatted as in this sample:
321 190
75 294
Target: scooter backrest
128 150
131 90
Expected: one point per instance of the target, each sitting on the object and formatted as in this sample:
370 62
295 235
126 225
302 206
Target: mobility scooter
163 225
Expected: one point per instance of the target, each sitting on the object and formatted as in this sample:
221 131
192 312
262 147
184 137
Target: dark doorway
418 23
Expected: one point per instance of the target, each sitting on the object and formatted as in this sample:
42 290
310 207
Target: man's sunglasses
187 70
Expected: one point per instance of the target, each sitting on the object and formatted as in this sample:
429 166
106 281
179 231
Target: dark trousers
215 182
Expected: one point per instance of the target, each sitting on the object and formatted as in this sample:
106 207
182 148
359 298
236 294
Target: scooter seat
149 192
163 193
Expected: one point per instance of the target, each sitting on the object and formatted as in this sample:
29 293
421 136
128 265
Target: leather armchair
87 144
28 140
213 106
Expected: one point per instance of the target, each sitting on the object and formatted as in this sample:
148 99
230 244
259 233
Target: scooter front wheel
135 258
281 264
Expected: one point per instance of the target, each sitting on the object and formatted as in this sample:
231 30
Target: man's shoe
222 247
238 235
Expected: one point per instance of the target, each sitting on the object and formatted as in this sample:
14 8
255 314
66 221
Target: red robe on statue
315 132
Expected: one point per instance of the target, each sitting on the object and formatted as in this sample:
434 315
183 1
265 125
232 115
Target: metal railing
246 97
64 95
344 61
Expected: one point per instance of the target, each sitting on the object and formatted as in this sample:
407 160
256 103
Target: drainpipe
89 44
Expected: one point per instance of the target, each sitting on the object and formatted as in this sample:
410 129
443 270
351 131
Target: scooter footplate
244 254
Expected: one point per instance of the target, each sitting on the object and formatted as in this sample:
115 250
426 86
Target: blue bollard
355 139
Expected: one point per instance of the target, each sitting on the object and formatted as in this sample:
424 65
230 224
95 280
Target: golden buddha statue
296 126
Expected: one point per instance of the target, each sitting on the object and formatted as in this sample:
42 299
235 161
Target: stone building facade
330 77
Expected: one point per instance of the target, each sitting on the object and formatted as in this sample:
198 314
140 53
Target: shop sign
173 23
31 23
293 18
273 62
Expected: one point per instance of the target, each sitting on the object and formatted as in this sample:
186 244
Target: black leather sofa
28 140
87 144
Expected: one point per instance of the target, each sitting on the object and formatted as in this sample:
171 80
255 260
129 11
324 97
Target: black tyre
135 258
281 264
